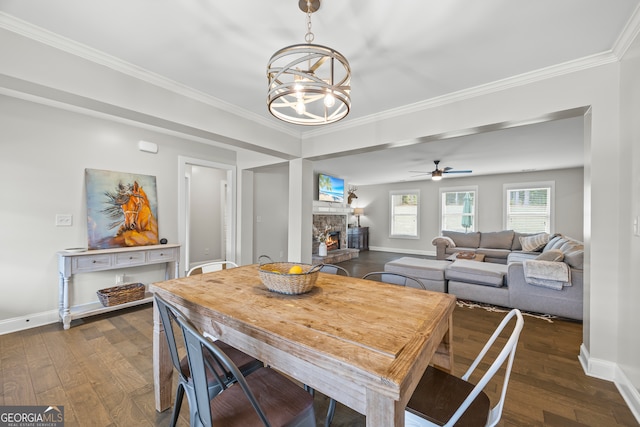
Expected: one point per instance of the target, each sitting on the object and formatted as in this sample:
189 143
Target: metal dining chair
395 279
247 364
264 398
442 399
334 269
211 266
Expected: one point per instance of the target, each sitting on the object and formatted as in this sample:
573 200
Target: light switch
64 220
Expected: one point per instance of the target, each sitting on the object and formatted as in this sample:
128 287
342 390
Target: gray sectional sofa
509 277
495 246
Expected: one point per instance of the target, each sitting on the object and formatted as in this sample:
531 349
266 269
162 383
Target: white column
300 210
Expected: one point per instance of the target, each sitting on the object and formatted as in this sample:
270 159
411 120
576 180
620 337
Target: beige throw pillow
534 243
551 255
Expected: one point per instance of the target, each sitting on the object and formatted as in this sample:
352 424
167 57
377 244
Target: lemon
296 269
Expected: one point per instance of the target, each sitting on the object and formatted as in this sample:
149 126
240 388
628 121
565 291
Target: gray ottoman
431 272
478 281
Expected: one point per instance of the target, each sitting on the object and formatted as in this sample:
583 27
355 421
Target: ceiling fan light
436 177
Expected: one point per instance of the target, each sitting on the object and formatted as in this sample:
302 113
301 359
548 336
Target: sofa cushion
480 273
575 258
551 255
534 243
418 267
465 240
497 239
494 253
519 256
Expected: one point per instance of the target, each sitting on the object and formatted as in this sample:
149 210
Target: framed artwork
122 209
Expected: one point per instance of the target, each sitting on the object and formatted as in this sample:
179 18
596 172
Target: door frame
183 207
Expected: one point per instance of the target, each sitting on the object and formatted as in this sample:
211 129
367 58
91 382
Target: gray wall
375 201
43 154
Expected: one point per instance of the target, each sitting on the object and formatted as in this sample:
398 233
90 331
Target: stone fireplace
337 225
335 218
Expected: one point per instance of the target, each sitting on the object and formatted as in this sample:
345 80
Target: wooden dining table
364 343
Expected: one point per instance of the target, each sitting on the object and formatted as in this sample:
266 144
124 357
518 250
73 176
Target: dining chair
247 364
334 269
208 267
442 399
395 279
264 398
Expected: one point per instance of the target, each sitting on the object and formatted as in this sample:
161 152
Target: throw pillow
551 255
534 243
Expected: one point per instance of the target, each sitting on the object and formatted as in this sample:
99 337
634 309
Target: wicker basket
121 294
276 277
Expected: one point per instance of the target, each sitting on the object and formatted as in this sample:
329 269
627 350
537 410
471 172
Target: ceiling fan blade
421 172
447 169
450 171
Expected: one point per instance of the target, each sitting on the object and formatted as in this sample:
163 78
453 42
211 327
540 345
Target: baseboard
16 324
403 251
629 393
610 371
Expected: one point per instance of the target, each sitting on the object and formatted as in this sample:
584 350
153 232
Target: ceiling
401 53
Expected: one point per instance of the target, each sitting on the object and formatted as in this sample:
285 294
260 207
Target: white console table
70 263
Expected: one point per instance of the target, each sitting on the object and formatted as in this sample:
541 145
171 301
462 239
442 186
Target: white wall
629 315
270 208
375 201
43 154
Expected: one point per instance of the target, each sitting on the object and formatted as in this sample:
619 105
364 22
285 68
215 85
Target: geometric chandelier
309 84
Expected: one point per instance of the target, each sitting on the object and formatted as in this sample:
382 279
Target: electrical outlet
119 279
64 220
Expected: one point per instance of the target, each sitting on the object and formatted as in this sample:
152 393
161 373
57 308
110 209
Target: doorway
206 214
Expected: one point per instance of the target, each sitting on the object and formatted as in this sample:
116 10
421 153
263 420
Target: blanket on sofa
548 274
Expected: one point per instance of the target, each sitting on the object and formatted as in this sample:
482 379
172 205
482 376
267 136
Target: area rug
489 307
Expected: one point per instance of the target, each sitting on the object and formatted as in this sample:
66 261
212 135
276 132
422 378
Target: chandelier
309 84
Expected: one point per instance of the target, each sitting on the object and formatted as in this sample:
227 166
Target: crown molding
628 34
26 29
473 92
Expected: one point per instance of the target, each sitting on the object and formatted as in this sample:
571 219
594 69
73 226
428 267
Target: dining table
364 343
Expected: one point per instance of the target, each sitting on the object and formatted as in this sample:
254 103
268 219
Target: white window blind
528 209
404 214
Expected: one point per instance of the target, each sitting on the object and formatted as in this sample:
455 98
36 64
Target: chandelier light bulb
329 100
300 108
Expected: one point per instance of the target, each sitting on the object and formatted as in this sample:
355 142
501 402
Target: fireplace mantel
329 208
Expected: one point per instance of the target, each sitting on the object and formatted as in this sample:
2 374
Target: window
458 209
529 207
404 214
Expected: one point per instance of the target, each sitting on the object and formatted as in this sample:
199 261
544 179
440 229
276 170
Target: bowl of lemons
288 278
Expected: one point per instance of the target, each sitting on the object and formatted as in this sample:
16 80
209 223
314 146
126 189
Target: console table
70 263
358 238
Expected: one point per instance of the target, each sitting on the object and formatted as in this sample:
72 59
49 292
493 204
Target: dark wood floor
101 370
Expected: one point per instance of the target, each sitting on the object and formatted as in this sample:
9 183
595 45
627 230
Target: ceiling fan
436 174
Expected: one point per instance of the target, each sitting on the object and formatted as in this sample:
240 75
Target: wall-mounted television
330 188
